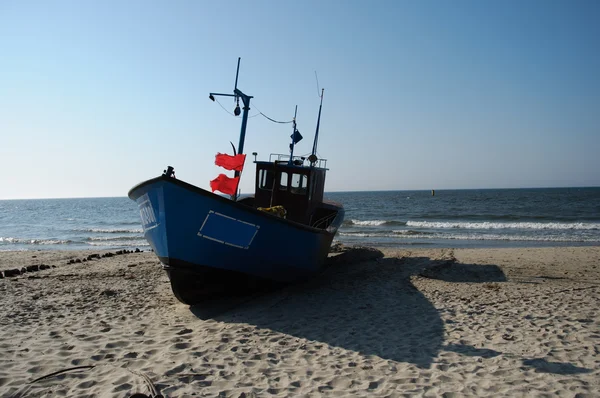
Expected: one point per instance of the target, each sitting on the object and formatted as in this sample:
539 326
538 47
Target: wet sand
439 322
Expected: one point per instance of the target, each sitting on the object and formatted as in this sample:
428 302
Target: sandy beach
377 322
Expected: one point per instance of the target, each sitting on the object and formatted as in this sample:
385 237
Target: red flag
225 184
230 162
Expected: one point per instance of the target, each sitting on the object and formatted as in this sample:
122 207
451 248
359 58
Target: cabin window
265 179
283 182
299 184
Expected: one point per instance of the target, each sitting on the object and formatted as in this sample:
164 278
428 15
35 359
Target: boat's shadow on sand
363 302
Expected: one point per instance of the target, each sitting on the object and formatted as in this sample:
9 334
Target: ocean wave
34 241
410 232
366 235
112 238
132 243
500 225
479 237
525 238
372 223
112 231
368 222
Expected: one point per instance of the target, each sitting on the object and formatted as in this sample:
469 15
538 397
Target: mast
314 150
237 94
291 162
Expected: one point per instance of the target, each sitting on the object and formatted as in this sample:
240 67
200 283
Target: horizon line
328 192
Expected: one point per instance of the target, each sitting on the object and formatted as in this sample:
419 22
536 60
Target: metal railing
297 160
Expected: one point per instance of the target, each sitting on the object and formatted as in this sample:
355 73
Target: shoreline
433 244
377 322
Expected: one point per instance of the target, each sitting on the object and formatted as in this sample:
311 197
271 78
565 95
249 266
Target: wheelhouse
297 185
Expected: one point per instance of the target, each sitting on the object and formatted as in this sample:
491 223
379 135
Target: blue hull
210 244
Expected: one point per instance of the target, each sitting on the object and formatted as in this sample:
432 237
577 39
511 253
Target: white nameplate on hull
147 213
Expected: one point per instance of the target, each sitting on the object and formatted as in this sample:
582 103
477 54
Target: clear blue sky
97 96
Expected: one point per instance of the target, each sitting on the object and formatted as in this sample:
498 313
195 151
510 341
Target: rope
62 371
249 117
538 295
273 120
221 105
148 382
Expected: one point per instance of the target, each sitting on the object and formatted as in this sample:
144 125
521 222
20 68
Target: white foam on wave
112 231
368 222
35 241
120 244
113 238
410 232
8 240
366 235
532 238
500 225
516 238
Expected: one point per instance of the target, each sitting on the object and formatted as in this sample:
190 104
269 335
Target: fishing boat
213 246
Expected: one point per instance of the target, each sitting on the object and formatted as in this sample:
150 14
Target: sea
445 218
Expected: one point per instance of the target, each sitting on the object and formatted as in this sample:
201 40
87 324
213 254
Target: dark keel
194 284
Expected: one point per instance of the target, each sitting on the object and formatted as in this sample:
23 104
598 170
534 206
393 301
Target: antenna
237 73
314 150
317 79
